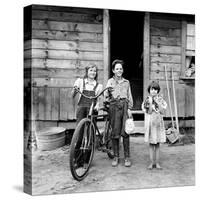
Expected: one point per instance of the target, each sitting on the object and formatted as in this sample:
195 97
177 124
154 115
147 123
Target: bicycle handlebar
95 97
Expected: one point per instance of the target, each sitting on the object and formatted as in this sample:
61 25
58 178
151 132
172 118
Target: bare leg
151 154
157 150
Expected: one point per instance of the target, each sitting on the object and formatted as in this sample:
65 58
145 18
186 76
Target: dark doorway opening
126 43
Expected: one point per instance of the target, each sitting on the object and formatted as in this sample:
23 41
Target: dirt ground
51 174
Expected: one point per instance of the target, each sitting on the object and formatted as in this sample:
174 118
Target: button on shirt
121 89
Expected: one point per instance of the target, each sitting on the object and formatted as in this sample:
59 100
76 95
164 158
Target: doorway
126 43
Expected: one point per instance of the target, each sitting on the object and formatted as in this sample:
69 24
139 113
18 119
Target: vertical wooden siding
64 40
166 49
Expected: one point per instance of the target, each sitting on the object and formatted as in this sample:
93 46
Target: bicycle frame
81 157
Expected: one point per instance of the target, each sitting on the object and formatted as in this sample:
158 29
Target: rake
172 133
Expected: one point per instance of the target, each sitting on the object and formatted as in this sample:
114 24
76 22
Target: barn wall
166 49
62 42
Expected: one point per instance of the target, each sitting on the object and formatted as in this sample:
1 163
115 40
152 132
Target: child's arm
162 105
130 98
107 94
99 100
147 105
76 85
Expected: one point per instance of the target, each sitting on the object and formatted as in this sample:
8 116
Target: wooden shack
60 41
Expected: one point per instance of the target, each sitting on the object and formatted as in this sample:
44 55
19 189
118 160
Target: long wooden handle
170 105
175 103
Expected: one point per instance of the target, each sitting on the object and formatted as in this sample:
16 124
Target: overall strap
83 84
95 87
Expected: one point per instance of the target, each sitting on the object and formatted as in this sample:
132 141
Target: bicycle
86 137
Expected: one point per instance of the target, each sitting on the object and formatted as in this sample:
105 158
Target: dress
154 124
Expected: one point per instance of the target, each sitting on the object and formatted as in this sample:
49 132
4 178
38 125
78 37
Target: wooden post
146 51
183 46
106 46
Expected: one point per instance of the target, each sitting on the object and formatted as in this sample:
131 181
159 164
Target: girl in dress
154 107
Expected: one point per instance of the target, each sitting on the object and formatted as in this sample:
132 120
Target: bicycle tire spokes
82 149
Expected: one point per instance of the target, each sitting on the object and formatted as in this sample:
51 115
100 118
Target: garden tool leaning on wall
172 133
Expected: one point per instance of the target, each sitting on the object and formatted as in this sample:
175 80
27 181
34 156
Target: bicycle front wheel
82 149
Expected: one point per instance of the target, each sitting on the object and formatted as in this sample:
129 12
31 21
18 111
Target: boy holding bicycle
121 102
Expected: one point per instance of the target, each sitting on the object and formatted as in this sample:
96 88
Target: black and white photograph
109 99
99 99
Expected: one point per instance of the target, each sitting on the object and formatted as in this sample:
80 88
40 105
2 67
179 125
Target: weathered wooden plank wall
166 49
63 41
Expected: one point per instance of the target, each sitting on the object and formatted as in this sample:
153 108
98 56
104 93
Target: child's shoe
127 162
115 162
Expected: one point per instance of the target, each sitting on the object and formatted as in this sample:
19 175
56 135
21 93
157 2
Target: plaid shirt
121 90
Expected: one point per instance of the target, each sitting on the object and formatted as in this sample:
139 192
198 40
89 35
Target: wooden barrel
51 138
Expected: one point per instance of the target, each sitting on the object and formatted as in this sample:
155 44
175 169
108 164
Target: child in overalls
120 104
154 107
89 86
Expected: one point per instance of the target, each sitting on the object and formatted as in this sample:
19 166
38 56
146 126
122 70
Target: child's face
118 70
92 72
153 91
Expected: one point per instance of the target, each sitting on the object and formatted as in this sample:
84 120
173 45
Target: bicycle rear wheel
108 141
82 149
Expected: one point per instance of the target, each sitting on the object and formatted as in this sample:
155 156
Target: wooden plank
160 66
167 16
170 41
67 110
58 73
63 64
63 115
190 123
174 50
165 58
146 51
56 82
166 32
63 45
190 52
61 54
47 103
67 35
183 47
35 103
67 16
166 23
41 104
191 29
160 75
67 26
180 95
67 9
55 101
106 46
190 45
190 101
